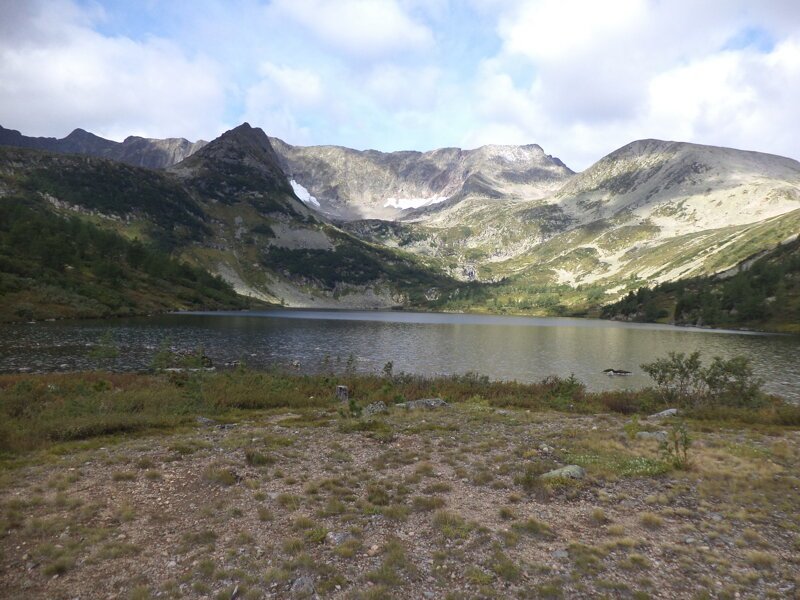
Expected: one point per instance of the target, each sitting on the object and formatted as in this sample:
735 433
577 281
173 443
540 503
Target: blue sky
578 77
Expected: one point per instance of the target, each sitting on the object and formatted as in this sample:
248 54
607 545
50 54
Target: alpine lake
525 349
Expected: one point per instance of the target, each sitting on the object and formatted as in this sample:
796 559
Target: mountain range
497 228
133 150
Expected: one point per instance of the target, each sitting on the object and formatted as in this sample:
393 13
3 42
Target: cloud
401 88
359 29
579 77
596 75
59 73
280 96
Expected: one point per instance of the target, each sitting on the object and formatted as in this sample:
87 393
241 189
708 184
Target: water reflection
525 349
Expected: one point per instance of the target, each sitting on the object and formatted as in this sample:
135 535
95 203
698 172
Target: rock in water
568 472
670 412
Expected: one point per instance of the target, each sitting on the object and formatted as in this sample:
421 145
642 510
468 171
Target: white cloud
360 29
579 77
600 74
400 87
282 93
282 84
60 74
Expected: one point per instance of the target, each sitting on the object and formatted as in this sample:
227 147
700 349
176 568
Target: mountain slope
684 187
270 245
499 228
228 209
52 267
134 150
350 184
641 197
762 292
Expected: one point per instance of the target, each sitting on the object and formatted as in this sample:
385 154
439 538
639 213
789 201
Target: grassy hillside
763 294
55 267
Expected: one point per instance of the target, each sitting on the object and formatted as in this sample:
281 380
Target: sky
578 77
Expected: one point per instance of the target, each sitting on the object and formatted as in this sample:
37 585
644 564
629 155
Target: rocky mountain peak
244 145
239 162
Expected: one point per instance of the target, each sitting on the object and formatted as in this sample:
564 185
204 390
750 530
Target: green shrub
682 380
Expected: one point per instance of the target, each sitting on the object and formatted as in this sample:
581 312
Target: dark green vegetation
117 189
682 380
54 267
765 295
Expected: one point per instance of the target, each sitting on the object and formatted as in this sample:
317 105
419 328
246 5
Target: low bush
682 380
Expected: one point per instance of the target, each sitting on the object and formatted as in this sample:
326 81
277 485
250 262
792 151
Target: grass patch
451 525
220 475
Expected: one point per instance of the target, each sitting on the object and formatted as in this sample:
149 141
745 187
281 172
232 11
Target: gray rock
659 436
342 393
303 587
560 554
205 422
337 538
670 412
376 408
428 403
568 472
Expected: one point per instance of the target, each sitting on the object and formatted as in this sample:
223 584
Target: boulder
659 436
427 403
337 538
670 412
303 587
342 393
376 408
568 472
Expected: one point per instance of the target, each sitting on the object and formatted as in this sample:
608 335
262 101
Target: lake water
521 348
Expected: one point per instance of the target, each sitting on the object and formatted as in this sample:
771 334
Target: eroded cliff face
350 184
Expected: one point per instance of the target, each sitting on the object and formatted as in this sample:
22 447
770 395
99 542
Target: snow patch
405 203
303 193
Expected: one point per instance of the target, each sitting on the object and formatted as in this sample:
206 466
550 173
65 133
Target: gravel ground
443 503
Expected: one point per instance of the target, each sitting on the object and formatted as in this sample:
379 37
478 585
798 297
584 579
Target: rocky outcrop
351 184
